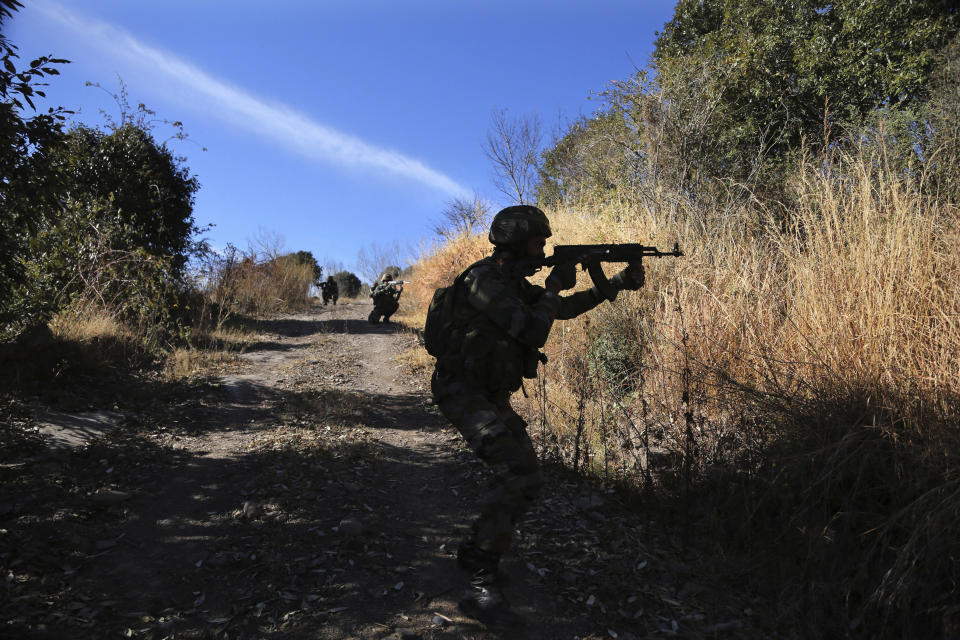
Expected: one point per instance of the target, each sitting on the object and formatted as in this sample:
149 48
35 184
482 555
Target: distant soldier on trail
329 290
386 298
498 324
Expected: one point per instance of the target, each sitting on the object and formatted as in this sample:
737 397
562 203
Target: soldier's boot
484 601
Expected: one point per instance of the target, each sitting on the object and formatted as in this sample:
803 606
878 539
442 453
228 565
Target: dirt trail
317 494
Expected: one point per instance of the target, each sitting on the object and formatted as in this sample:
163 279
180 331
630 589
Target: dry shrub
79 341
247 286
87 327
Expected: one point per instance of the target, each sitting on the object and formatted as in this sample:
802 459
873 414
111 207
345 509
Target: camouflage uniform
501 323
386 301
492 328
330 291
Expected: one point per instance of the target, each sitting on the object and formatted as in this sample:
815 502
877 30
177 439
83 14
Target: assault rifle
391 282
591 256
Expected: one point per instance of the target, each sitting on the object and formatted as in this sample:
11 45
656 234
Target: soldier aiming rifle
486 331
386 298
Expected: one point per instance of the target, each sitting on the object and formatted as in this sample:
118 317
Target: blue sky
337 124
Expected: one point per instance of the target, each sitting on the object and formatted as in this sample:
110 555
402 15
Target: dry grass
89 340
78 343
858 298
417 361
192 363
816 361
92 340
212 352
70 326
259 288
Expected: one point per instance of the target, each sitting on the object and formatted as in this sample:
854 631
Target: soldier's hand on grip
632 277
563 276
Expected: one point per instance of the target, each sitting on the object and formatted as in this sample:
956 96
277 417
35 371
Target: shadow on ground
306 529
317 527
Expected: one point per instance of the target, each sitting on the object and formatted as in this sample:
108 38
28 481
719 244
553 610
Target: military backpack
441 315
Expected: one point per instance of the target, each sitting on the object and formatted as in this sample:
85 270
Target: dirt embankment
316 494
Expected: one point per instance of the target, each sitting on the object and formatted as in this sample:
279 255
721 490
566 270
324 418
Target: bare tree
513 147
331 266
266 245
372 260
461 217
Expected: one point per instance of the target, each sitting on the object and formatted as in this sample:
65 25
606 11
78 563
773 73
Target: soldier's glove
630 278
563 276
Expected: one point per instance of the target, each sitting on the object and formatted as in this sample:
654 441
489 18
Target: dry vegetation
798 371
89 337
235 283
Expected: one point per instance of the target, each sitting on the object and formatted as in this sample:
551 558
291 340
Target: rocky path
315 493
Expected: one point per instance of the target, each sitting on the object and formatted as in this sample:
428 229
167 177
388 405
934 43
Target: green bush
348 284
615 349
119 236
27 182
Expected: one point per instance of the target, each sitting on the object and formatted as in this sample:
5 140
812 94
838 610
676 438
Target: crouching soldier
386 298
500 321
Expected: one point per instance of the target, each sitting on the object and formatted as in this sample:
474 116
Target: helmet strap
507 251
507 254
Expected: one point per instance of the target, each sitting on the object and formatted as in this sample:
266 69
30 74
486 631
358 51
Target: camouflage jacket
385 292
500 324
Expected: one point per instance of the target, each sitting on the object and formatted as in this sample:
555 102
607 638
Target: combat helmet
390 273
517 223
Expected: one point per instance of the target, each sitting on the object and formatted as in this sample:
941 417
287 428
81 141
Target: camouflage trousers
499 437
383 310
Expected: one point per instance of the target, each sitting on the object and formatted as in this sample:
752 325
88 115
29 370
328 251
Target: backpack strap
463 274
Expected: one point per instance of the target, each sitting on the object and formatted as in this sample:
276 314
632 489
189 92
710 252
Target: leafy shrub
27 182
615 348
347 283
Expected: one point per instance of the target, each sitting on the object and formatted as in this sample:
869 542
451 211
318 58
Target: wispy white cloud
276 122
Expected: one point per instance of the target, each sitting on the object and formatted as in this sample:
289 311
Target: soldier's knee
491 443
482 430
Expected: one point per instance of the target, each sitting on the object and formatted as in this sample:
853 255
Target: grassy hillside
794 377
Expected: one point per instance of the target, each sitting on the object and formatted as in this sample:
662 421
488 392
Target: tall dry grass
798 368
258 288
81 340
